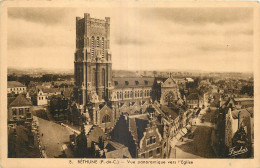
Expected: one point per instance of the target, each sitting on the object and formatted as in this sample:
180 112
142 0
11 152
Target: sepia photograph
130 82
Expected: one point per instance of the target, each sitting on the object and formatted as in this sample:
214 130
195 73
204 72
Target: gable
169 83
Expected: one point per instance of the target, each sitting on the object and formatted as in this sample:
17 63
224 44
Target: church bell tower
92 63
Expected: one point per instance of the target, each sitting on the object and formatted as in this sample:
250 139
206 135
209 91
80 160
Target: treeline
25 79
247 89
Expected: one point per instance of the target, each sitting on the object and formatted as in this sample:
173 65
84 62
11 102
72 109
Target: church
99 96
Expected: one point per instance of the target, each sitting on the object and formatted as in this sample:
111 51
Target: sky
204 39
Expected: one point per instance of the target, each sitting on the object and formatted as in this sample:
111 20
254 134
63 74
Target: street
53 137
200 145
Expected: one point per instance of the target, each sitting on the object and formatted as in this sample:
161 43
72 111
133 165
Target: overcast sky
208 39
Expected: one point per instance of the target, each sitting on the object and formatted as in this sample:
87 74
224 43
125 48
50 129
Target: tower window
137 82
116 83
117 95
146 82
126 82
92 46
97 41
102 45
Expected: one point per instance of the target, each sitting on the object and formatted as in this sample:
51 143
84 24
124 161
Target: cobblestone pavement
53 137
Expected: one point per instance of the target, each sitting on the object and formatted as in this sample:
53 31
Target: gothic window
102 45
92 46
103 77
116 83
97 41
94 77
96 117
137 82
117 95
106 119
146 82
145 93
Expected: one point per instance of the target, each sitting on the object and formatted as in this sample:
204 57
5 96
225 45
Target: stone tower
92 65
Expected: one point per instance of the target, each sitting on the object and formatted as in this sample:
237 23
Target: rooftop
130 82
249 110
244 99
20 100
193 96
12 84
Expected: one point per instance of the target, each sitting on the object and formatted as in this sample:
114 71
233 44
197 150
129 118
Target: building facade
101 98
15 87
42 98
20 109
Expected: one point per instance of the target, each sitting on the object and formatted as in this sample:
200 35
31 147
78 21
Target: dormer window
126 83
116 83
137 82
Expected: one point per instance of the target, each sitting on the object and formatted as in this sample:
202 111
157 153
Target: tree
247 90
12 78
25 79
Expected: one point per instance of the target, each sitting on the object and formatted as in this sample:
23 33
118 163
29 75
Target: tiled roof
20 100
114 145
193 96
10 100
169 112
244 99
131 82
87 128
160 79
137 125
235 113
12 84
122 153
49 90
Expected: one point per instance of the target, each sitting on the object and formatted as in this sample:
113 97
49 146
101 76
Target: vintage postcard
129 84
